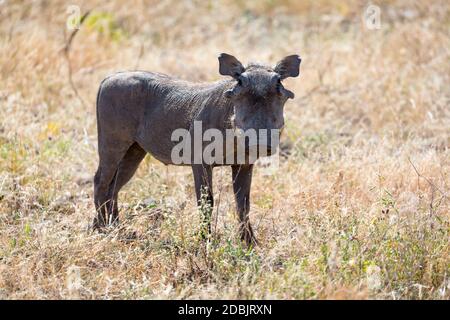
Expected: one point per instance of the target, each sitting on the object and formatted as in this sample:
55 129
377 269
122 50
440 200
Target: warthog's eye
235 90
243 81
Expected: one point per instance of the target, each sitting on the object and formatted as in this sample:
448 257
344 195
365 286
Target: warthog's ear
230 66
288 67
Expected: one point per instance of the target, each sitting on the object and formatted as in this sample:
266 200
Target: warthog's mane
258 66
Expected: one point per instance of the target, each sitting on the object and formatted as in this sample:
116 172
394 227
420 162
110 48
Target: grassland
358 210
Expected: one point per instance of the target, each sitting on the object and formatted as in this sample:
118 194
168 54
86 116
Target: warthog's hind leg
127 167
110 155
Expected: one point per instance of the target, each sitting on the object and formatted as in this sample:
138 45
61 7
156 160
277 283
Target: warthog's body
137 112
146 108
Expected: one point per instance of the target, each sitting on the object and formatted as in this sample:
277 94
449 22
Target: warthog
137 113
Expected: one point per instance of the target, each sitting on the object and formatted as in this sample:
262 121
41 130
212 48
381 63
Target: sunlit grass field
358 209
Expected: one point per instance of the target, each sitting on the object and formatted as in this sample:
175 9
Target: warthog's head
258 96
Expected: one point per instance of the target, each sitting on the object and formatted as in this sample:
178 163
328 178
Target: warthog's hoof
248 236
100 225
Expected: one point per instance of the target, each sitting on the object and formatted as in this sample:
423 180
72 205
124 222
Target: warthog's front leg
242 180
204 193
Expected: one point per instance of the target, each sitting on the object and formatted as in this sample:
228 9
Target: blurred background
360 211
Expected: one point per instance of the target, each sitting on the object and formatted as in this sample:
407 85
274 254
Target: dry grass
360 209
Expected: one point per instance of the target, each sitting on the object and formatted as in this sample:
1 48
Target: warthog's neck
212 107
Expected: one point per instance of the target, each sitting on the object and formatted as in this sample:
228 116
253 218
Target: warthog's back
147 107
